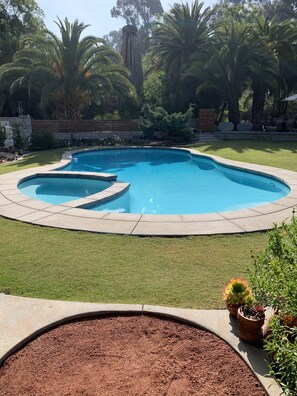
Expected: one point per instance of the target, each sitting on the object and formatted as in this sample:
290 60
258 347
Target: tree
17 17
180 33
130 52
137 12
280 9
229 69
68 73
274 73
113 39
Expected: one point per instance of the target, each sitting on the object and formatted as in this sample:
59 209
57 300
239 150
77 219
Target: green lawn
32 160
279 154
184 272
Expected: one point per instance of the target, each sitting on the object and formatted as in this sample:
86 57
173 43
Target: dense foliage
2 136
138 13
232 56
239 57
68 73
274 280
44 140
17 17
173 126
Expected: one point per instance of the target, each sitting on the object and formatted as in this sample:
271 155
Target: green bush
2 136
274 283
172 125
281 344
151 120
18 142
274 276
42 140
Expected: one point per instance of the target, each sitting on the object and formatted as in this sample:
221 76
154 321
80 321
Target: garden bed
135 355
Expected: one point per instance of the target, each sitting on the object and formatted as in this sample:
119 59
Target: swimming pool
173 181
59 189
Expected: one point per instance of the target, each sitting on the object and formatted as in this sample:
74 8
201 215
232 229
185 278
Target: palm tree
266 71
282 42
130 51
68 73
230 65
180 33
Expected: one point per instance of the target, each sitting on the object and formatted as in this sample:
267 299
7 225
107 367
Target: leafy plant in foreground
274 283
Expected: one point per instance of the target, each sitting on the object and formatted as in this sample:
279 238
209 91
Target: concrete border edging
23 319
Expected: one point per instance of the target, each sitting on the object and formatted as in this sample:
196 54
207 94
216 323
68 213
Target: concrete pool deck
71 215
22 319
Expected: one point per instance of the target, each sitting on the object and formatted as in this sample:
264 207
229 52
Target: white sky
91 12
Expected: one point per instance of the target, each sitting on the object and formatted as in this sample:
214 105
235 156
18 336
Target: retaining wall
275 136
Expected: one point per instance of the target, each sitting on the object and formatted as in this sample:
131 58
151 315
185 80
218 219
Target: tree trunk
130 52
233 109
72 113
258 107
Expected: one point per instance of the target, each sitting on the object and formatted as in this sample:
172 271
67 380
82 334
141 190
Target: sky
91 12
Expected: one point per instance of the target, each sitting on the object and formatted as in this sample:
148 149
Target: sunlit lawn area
279 154
185 272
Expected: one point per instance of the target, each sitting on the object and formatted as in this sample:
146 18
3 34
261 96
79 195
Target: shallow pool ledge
73 216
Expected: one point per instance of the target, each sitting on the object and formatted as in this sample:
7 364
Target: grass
32 160
61 264
184 272
278 154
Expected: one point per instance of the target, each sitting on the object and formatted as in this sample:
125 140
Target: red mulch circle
127 355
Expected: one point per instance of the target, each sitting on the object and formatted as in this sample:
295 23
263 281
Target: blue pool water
164 181
57 190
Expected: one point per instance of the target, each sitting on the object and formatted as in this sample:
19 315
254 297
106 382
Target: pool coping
71 215
22 319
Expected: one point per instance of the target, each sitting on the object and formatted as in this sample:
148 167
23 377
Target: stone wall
24 123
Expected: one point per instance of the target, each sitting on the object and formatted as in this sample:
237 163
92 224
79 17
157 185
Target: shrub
42 140
173 125
18 142
108 116
274 280
152 120
2 136
281 344
274 276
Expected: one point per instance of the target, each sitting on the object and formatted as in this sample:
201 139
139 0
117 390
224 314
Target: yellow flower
237 291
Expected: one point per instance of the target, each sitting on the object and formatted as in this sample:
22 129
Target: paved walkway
72 215
22 319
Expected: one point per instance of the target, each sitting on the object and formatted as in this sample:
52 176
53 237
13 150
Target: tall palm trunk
130 52
233 110
72 113
259 92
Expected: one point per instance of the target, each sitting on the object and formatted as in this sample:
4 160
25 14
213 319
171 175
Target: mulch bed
127 355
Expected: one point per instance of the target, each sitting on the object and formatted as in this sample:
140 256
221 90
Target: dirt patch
127 355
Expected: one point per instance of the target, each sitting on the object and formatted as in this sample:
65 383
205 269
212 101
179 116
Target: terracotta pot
233 308
249 330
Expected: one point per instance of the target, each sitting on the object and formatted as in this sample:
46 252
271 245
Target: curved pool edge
70 215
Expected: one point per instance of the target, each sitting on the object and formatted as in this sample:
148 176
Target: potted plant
237 293
250 319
